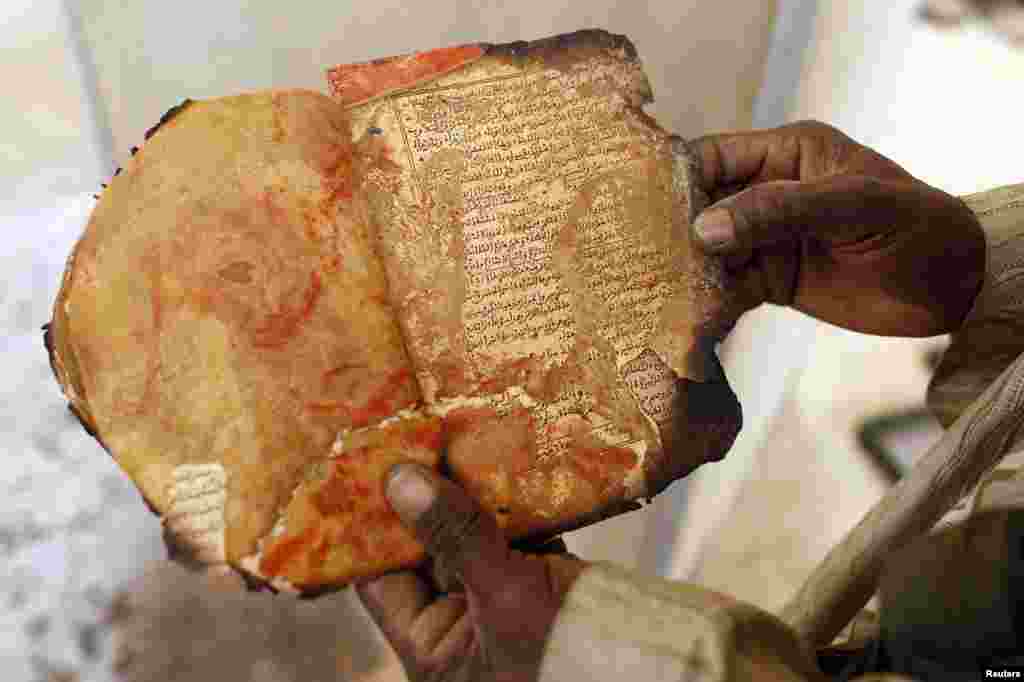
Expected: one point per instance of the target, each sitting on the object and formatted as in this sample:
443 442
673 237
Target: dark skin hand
497 627
808 218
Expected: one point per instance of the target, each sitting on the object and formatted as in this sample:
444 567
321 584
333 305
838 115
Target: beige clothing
616 624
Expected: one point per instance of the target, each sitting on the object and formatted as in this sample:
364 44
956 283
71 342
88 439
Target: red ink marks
277 213
330 374
327 408
331 263
339 180
319 557
461 421
386 400
312 234
335 159
153 360
353 83
518 372
606 468
279 328
392 542
357 541
341 493
348 513
427 435
285 550
450 372
482 443
379 517
328 377
304 555
134 402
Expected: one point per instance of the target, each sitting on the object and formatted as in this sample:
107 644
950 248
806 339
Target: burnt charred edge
51 356
145 500
104 185
168 115
255 584
555 545
715 416
558 45
708 337
83 421
50 353
545 536
684 152
322 590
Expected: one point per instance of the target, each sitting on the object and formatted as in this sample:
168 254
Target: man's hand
497 629
806 217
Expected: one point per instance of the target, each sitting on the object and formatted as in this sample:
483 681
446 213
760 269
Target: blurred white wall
946 105
48 139
704 58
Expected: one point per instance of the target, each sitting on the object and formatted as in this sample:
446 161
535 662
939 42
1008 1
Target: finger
737 159
180 551
455 642
443 576
562 571
394 602
436 621
223 577
841 210
453 527
791 152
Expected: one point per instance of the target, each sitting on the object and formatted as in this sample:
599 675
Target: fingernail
715 229
409 491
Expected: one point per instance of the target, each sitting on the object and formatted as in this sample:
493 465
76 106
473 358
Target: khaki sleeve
992 335
615 622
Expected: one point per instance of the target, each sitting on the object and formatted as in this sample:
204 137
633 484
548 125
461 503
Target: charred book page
477 258
533 224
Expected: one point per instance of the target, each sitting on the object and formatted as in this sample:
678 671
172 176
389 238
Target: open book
476 257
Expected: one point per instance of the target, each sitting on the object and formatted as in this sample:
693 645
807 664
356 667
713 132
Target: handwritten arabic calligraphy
529 145
196 514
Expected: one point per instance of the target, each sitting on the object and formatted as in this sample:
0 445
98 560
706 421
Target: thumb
839 209
456 531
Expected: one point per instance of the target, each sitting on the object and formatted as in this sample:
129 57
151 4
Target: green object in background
894 440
